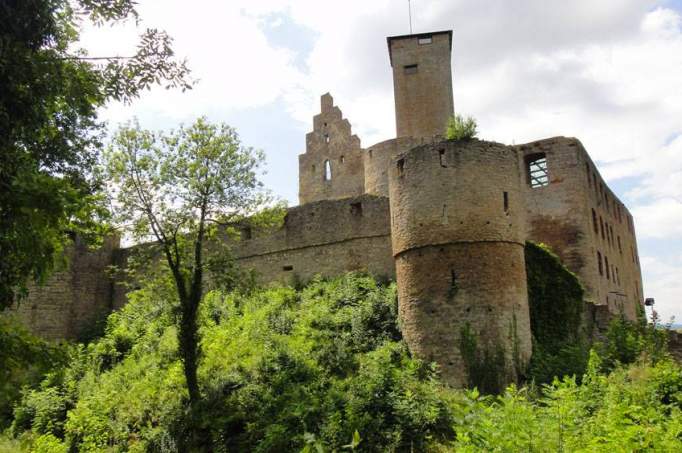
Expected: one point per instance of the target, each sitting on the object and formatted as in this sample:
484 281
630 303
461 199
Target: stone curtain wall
458 240
74 299
326 237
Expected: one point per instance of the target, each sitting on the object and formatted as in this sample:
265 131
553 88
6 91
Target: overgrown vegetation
460 128
24 361
555 299
321 368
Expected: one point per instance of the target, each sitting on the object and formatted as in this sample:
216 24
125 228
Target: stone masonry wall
379 158
561 215
327 237
422 83
332 166
458 239
73 299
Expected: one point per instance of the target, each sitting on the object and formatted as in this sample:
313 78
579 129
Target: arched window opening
327 170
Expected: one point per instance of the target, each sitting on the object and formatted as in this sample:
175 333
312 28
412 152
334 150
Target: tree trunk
189 346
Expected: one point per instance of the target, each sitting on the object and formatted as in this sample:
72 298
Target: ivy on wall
555 298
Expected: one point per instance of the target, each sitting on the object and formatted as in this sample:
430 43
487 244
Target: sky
608 72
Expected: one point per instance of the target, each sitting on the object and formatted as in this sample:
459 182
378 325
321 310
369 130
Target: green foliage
635 409
50 91
181 189
281 369
24 360
626 341
555 298
323 369
485 364
460 128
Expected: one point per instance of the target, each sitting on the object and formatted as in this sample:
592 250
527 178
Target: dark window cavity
410 69
601 268
288 268
505 200
356 209
443 161
401 166
594 222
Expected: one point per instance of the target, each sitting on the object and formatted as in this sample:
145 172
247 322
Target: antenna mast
409 12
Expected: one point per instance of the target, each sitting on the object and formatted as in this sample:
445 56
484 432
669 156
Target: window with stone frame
536 170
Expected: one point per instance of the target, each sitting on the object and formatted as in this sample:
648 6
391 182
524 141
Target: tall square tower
422 82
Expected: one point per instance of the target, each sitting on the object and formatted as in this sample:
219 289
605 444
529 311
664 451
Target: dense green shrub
24 360
280 369
321 369
460 128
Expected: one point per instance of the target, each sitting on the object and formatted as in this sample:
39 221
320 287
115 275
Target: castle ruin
447 220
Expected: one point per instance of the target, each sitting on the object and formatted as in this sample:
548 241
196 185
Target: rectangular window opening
505 198
410 69
288 268
246 233
425 40
537 172
601 269
443 161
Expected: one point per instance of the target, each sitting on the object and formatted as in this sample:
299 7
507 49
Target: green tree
50 92
179 189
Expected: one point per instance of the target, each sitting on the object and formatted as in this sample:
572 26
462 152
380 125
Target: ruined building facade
447 219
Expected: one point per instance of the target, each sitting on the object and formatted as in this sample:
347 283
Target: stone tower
422 83
457 227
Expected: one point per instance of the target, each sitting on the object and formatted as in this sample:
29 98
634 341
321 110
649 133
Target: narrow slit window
327 170
606 265
342 159
620 247
601 225
601 268
505 200
443 161
425 40
538 175
326 138
410 69
594 222
401 166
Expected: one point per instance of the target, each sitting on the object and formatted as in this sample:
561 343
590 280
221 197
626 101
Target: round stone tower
457 226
